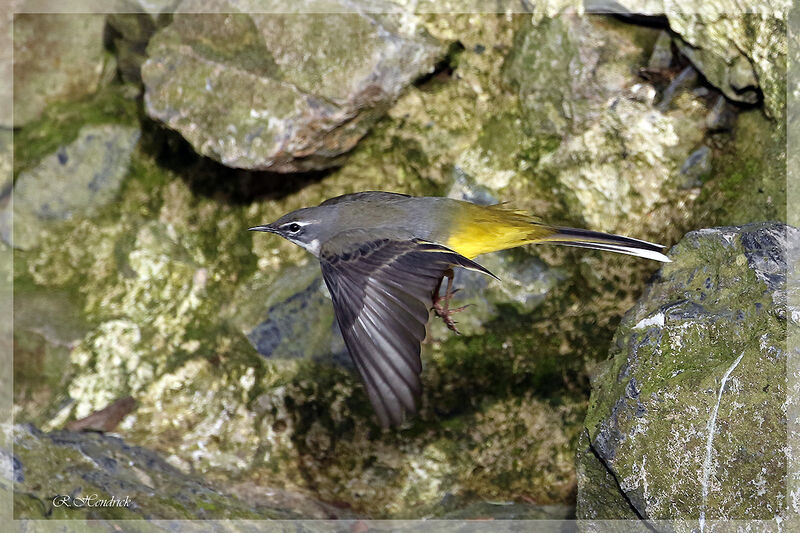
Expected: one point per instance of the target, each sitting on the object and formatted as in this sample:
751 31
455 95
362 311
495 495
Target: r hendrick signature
90 500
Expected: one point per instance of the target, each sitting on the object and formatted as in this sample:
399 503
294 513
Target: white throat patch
312 246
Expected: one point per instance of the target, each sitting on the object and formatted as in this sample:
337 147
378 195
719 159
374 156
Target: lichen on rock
227 340
739 48
77 180
613 154
697 366
57 57
284 92
96 467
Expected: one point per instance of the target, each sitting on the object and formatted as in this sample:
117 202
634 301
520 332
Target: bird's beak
268 228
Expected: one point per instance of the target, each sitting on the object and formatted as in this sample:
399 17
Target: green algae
748 180
99 467
60 123
169 279
708 314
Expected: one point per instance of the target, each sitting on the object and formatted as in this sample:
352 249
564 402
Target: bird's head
306 227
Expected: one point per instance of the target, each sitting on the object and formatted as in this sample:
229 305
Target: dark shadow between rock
208 178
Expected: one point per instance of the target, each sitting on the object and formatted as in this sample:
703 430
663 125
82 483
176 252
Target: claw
441 304
447 319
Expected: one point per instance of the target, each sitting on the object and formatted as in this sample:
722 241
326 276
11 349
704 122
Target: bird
384 257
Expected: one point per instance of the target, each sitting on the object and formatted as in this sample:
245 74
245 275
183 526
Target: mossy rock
280 91
57 57
93 467
698 365
167 283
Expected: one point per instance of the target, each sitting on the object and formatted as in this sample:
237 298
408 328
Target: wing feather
399 353
392 388
382 291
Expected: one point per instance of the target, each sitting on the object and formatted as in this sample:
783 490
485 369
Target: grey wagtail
384 257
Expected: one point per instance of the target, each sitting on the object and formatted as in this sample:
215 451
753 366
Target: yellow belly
479 230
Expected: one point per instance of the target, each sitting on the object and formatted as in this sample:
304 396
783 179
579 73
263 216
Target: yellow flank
479 230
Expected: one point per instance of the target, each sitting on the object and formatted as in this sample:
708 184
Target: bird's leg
441 304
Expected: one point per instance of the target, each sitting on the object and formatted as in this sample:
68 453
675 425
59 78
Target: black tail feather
597 240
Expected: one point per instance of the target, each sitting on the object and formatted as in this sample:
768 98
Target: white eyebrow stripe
300 223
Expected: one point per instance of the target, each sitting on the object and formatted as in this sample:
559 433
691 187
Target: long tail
483 229
596 240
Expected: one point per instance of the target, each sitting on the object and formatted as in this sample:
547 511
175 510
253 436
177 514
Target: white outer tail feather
596 240
638 252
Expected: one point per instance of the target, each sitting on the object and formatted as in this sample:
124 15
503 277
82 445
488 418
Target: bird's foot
441 304
445 313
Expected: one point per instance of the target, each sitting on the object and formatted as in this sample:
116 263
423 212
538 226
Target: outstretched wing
382 292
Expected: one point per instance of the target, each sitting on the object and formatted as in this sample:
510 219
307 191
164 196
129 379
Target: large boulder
108 479
283 92
74 181
687 419
57 57
608 142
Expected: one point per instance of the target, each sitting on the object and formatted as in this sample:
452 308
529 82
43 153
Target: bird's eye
294 227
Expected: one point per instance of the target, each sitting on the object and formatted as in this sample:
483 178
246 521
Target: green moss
513 357
748 181
158 251
27 505
101 467
61 122
232 39
708 314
